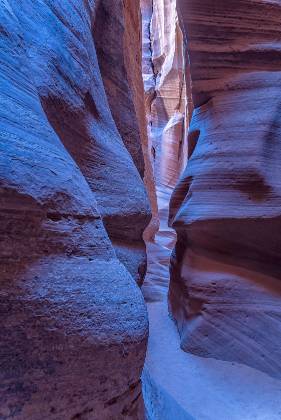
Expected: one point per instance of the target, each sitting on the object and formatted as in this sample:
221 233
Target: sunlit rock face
166 108
225 290
73 322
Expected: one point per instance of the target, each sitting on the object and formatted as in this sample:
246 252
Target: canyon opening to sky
140 209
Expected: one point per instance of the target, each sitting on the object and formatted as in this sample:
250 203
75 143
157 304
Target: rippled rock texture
166 109
117 33
225 290
73 322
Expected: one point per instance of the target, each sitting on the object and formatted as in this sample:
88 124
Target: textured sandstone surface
225 290
73 322
117 33
183 386
166 108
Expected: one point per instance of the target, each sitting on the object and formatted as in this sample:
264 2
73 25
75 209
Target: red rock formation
73 321
225 290
118 42
165 88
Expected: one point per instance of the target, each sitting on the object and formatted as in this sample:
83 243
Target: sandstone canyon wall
225 290
73 321
117 33
166 110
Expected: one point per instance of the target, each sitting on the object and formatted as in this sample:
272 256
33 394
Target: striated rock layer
166 108
225 290
117 33
73 322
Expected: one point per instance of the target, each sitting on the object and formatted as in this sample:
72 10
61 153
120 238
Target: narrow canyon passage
140 218
163 71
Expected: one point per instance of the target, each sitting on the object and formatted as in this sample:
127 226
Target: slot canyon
140 209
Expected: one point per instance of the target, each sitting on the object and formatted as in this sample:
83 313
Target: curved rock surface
73 322
225 290
117 33
166 108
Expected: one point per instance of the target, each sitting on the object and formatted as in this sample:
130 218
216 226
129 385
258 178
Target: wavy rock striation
73 322
118 43
166 109
225 290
